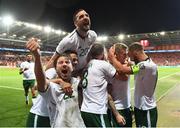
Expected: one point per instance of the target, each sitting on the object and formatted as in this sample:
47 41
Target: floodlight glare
58 32
64 33
121 36
7 20
162 33
47 29
102 38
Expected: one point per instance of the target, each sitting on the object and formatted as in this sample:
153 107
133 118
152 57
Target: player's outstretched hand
33 46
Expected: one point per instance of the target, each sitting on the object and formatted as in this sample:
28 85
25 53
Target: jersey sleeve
94 36
110 71
64 45
22 65
51 73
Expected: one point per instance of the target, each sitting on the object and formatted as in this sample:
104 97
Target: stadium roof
18 32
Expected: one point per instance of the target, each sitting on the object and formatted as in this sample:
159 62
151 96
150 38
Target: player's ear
75 23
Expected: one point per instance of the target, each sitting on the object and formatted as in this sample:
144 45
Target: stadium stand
162 47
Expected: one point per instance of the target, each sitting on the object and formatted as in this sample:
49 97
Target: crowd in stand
44 48
14 59
166 59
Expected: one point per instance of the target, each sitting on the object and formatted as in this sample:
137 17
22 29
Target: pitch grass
13 111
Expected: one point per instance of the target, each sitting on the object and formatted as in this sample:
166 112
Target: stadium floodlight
47 29
162 33
58 32
19 23
38 27
7 20
128 36
52 30
102 38
4 34
64 33
121 36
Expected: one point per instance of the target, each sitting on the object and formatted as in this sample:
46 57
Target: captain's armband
135 69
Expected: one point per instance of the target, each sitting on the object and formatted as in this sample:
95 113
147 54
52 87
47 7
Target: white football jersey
95 96
145 84
51 73
63 110
121 94
28 74
39 107
76 43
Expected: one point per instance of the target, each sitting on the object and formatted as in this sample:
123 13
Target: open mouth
86 23
64 71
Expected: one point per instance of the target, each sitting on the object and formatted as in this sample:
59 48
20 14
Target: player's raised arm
34 47
119 67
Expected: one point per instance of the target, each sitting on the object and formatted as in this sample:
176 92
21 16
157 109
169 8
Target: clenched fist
33 46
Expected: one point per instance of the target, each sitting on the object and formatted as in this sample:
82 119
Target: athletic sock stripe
148 118
35 121
102 121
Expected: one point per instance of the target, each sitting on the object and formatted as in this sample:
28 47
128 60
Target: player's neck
82 34
143 57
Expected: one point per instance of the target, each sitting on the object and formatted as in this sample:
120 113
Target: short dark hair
29 54
136 46
60 55
96 50
75 13
70 52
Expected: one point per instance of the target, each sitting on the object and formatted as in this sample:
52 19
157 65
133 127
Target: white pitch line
11 88
162 78
167 92
168 76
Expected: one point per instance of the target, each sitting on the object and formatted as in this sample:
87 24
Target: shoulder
101 63
92 34
24 63
69 38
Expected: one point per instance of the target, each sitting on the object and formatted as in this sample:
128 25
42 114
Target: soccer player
145 109
79 40
63 109
38 115
51 73
146 76
27 69
95 95
120 89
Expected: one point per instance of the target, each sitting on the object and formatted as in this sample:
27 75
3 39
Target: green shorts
95 120
37 121
146 118
28 84
126 113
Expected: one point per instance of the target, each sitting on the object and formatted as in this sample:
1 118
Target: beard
136 61
85 28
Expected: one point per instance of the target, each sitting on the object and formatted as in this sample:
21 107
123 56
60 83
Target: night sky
109 17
